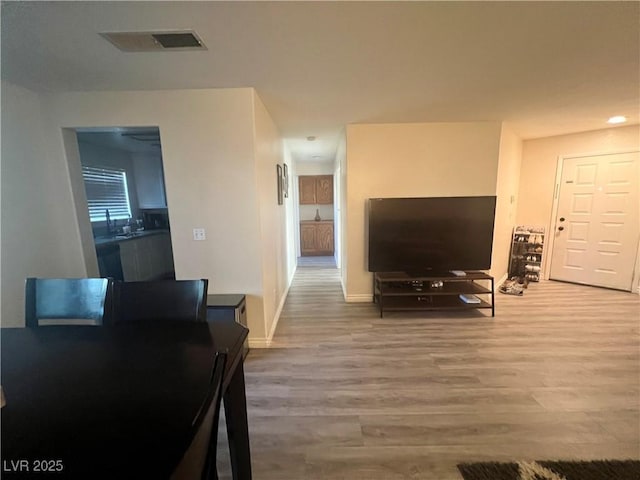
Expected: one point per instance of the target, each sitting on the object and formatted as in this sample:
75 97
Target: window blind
106 190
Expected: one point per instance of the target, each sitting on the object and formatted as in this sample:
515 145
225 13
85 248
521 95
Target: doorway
126 201
596 225
316 206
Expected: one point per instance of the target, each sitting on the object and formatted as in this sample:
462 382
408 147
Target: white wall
411 160
38 238
338 193
341 160
211 181
539 166
273 224
313 168
507 185
292 217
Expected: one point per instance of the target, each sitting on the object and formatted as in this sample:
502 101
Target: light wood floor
343 394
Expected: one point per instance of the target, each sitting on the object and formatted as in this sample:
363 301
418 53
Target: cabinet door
307 189
129 261
149 181
156 256
324 189
324 237
146 258
307 238
144 255
167 254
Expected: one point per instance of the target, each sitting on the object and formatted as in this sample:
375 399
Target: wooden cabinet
307 189
149 179
315 189
324 189
129 260
307 238
324 237
146 257
316 238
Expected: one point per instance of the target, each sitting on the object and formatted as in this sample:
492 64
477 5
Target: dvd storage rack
399 291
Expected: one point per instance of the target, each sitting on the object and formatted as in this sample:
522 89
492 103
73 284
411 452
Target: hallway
343 394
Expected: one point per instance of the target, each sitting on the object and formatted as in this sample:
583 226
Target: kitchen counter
145 255
107 240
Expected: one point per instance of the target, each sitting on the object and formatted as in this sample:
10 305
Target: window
106 190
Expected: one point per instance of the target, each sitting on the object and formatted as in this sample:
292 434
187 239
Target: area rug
552 470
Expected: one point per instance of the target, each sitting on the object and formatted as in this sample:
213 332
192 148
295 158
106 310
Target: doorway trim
635 287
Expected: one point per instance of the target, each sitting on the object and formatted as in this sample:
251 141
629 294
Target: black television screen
430 235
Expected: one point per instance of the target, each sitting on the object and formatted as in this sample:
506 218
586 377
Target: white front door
597 224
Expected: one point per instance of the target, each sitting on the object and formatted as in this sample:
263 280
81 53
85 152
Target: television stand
400 291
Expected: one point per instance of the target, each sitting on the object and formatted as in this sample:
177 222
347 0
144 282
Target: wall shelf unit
398 291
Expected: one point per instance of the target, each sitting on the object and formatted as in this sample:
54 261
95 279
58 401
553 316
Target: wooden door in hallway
597 225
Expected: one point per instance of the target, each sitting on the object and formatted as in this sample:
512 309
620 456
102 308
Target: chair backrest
67 301
199 461
182 300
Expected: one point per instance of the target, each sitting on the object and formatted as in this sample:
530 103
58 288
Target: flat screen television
430 235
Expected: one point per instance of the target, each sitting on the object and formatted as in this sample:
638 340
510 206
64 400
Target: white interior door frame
554 212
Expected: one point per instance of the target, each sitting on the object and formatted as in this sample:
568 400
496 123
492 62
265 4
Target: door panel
324 189
324 237
307 239
307 190
597 225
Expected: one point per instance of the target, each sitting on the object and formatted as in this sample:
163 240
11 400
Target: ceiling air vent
154 41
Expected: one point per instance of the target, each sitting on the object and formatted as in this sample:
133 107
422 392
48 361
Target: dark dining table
116 401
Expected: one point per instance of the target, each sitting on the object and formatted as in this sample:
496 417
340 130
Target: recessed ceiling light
316 156
617 119
311 138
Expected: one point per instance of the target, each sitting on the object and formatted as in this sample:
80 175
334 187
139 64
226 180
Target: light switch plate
199 234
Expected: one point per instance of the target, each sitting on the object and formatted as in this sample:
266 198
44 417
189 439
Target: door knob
560 228
562 219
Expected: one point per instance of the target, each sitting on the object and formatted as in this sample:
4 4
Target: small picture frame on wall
285 179
280 183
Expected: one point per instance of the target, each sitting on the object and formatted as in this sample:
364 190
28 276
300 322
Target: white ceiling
547 68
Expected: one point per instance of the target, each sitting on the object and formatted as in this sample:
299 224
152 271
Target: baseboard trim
360 298
266 342
259 343
276 317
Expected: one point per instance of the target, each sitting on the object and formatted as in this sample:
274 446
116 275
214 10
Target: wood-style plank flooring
343 394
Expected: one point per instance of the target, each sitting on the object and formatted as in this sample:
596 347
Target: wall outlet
199 234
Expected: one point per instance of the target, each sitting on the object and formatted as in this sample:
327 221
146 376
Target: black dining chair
199 461
67 301
171 300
